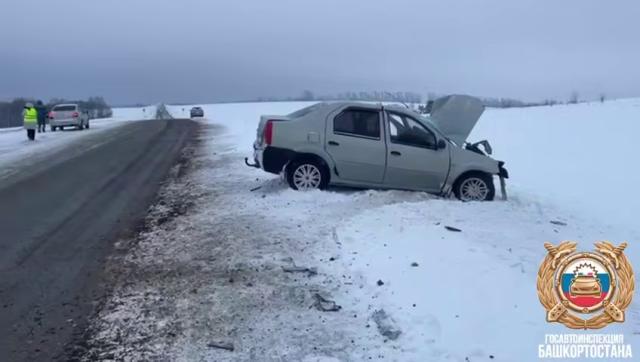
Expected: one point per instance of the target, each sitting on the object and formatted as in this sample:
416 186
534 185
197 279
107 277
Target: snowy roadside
214 276
235 266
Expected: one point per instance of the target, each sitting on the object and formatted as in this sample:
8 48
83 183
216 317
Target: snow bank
574 156
135 113
458 295
455 296
580 157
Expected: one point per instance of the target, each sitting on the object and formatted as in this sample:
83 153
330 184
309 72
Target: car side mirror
441 144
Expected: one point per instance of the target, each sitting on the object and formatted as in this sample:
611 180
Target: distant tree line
11 112
507 103
416 99
574 98
373 96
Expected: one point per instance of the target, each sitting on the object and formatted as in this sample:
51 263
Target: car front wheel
307 175
475 186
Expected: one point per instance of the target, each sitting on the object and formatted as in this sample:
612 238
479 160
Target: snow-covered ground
135 113
212 273
16 149
580 157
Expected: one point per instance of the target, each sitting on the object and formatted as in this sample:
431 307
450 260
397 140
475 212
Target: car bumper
271 159
257 156
502 172
64 122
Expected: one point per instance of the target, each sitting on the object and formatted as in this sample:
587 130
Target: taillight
75 114
52 115
268 132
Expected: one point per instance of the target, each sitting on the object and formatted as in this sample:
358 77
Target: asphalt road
59 219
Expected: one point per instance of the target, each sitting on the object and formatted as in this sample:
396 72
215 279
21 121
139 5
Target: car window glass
64 108
358 122
409 132
303 112
395 122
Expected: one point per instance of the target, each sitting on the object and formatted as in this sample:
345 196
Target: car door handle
396 153
333 143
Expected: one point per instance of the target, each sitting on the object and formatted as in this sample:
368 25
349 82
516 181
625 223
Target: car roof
66 105
372 105
339 104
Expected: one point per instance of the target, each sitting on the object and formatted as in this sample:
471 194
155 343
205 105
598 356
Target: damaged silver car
377 146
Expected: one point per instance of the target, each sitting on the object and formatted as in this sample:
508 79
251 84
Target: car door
414 160
355 142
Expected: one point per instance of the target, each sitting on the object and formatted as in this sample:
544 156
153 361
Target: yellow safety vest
31 115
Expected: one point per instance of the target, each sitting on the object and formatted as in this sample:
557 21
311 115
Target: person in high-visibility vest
30 115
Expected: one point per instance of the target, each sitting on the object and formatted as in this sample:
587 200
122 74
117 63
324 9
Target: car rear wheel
475 186
53 129
307 175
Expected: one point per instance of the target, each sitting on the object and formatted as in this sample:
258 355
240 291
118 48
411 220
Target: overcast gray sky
205 50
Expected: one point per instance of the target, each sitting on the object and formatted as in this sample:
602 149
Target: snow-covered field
213 273
135 113
16 149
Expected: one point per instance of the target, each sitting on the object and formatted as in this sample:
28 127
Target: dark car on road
197 112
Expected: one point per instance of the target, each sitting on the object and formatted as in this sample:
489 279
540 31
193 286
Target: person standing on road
30 116
42 116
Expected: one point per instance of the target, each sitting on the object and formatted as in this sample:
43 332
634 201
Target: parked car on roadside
197 112
376 146
68 115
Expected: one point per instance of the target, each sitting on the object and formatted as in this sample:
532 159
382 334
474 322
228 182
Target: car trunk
260 143
64 112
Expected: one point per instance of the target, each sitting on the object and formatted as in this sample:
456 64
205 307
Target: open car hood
456 115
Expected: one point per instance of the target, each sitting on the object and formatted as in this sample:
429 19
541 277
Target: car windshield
426 120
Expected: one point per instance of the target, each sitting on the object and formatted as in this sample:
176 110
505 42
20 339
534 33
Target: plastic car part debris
325 305
221 345
386 325
300 269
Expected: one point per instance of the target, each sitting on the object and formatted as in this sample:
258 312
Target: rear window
358 122
64 108
303 112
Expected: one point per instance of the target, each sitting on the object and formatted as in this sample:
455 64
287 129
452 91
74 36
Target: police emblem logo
585 290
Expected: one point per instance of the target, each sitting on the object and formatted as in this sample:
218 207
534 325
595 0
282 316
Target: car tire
307 174
87 125
53 129
475 186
